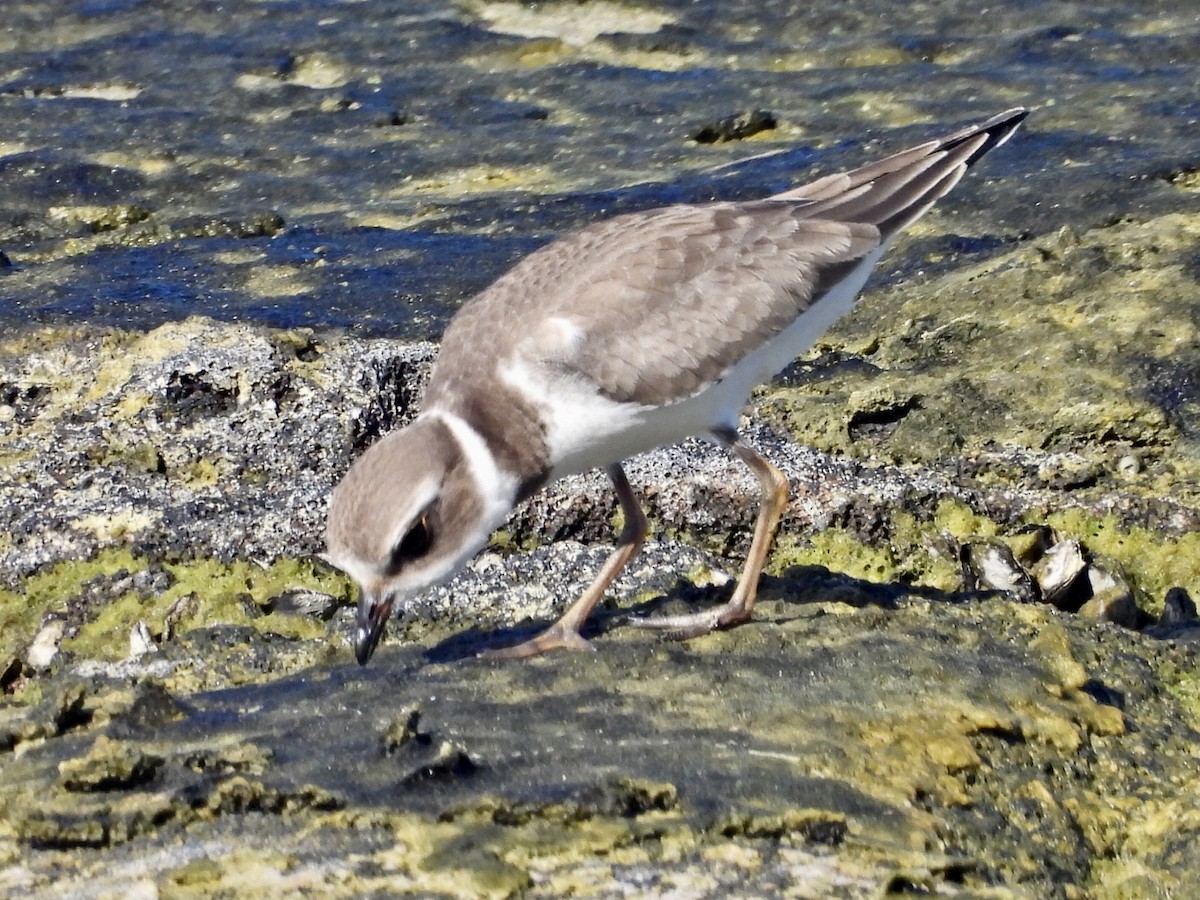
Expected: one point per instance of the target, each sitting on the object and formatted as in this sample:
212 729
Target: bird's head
406 517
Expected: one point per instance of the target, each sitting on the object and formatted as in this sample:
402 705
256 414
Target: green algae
1186 688
911 552
913 549
1085 325
200 593
21 611
234 593
1155 560
837 549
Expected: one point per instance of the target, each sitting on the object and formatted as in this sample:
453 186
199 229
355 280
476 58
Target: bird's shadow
781 599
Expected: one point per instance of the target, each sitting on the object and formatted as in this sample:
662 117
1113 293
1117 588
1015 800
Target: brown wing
692 290
650 307
896 191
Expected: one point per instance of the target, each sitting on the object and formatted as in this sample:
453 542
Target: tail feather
896 191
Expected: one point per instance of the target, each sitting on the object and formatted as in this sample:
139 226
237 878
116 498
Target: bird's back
651 308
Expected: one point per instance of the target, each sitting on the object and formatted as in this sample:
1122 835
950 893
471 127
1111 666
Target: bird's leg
774 486
564 634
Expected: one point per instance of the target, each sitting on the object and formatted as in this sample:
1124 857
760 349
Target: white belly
586 430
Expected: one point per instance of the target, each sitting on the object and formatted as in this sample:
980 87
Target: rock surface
974 668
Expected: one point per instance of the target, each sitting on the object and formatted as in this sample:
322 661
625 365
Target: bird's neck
502 456
506 431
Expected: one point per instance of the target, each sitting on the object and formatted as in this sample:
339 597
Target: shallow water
412 151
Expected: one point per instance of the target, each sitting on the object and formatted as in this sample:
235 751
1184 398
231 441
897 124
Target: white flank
586 430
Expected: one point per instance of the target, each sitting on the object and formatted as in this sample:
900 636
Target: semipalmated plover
632 333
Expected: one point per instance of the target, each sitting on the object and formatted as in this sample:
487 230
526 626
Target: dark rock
736 128
1178 608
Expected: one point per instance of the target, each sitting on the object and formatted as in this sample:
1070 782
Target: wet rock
422 755
192 395
628 797
540 584
42 179
149 706
109 766
401 731
239 758
816 826
183 414
1178 609
642 738
66 707
446 760
736 128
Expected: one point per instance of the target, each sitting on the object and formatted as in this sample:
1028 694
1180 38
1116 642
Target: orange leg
564 634
774 486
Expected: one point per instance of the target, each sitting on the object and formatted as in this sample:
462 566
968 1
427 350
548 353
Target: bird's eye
414 544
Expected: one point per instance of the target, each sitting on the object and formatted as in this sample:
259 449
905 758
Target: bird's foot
556 637
686 627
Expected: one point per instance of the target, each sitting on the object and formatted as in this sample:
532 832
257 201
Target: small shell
1129 465
141 641
1058 571
44 646
992 567
1112 598
304 602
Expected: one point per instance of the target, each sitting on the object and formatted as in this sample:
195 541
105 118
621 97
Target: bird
635 332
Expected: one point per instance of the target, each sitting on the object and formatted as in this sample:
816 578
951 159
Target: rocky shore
975 668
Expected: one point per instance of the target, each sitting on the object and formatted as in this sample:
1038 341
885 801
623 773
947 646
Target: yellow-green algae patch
1155 561
203 593
910 554
1065 344
480 857
120 790
914 554
227 593
48 590
1185 686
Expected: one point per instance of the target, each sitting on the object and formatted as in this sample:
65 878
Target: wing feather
698 290
651 307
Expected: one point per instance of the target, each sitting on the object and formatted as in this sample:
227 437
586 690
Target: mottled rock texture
216 221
